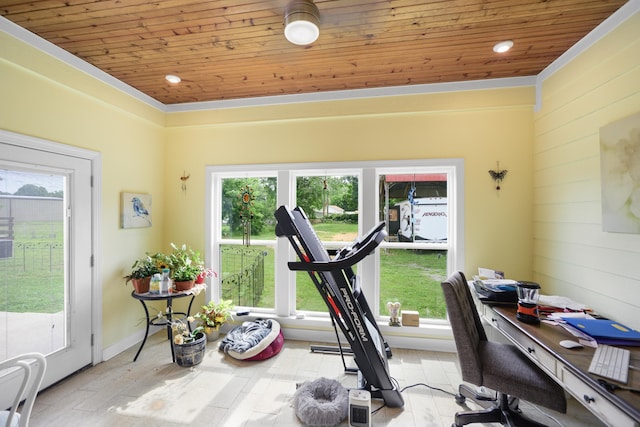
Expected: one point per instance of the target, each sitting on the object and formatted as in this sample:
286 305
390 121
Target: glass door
45 258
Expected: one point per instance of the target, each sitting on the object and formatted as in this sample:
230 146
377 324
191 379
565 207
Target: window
420 202
413 262
246 249
331 203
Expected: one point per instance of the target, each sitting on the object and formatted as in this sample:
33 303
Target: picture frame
620 175
135 210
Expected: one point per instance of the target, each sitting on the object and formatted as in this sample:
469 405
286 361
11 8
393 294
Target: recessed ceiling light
503 46
172 78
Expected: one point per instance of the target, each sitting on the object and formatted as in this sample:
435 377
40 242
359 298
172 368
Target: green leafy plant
185 263
214 314
143 267
185 273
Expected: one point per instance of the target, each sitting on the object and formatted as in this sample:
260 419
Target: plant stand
154 321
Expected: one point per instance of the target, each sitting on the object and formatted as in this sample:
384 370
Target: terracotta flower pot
141 286
184 286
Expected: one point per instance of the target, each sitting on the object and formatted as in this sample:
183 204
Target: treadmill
341 291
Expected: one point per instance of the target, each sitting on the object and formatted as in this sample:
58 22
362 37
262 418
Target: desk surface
548 337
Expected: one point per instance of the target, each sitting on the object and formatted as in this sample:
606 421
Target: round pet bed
271 350
322 402
255 340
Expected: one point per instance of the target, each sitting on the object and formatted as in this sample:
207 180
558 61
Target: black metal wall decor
498 175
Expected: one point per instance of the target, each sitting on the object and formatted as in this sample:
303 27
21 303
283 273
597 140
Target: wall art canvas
620 175
136 210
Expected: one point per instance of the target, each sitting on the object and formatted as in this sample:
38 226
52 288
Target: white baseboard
426 337
132 340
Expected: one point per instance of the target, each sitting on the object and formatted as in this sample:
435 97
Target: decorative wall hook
184 179
498 175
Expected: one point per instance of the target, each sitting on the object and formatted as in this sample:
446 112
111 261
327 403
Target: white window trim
432 334
370 171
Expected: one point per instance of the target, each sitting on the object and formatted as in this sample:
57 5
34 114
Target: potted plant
204 273
213 315
185 265
141 272
188 345
184 277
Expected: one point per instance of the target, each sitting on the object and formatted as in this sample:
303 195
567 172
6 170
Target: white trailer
425 220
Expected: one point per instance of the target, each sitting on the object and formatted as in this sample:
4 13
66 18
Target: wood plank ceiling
230 49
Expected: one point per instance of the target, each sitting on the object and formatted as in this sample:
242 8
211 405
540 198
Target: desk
168 316
569 367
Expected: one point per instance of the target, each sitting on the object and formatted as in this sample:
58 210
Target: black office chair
499 367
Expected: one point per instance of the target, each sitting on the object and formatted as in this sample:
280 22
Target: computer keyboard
611 362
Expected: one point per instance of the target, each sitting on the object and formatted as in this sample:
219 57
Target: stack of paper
561 302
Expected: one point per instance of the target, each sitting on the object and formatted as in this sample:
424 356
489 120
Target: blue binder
606 331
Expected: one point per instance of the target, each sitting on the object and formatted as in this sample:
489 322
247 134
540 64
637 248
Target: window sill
433 336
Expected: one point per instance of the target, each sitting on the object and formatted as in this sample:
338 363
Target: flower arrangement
181 332
214 314
206 272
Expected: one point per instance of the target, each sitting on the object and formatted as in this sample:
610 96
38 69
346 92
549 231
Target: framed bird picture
135 210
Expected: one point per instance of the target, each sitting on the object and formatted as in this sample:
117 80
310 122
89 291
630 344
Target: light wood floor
222 391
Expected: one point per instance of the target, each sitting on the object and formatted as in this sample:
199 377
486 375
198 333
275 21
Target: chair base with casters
500 409
21 377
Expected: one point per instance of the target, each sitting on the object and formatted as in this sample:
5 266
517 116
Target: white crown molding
341 95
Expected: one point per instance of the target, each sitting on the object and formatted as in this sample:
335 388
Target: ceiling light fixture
173 79
301 22
502 47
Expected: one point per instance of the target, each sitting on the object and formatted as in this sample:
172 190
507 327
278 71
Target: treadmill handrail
372 242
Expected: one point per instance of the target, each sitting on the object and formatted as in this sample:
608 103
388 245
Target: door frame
96 220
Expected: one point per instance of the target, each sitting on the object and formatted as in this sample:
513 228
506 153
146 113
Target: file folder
606 331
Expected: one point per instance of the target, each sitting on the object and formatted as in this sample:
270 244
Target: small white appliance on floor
359 408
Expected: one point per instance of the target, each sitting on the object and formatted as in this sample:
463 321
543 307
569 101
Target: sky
12 180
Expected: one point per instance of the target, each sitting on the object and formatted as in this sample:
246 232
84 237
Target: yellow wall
572 255
481 127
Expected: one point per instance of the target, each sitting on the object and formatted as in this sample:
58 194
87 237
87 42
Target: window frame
368 200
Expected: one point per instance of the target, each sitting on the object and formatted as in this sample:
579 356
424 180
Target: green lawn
411 277
32 280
